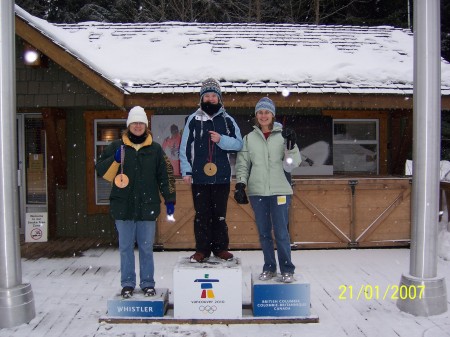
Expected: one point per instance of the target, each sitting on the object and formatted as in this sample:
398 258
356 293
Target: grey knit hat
265 103
211 85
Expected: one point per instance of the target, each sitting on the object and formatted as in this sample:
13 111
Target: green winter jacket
150 173
259 164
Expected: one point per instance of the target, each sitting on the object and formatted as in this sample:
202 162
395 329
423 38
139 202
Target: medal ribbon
122 158
121 180
210 149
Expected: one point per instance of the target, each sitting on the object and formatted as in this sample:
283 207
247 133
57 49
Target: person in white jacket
259 170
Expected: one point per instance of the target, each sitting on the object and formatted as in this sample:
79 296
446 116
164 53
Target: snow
444 227
174 56
443 244
444 169
71 295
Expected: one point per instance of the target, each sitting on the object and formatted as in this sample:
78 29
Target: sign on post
36 227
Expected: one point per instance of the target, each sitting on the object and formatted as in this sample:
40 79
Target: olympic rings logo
207 309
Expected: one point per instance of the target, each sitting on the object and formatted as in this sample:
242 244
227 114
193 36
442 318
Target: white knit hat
137 114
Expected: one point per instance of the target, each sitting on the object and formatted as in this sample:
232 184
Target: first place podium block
273 298
139 305
209 290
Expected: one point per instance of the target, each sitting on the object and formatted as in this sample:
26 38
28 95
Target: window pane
355 130
100 149
355 158
103 191
355 146
35 161
106 132
102 187
109 131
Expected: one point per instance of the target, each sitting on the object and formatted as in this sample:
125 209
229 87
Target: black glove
239 194
309 161
290 136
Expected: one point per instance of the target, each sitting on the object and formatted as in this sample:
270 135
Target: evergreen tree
123 11
37 8
93 12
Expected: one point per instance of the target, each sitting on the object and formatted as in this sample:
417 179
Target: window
355 146
35 161
105 130
101 127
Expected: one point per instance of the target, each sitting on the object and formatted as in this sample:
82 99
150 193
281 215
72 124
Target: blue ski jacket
197 149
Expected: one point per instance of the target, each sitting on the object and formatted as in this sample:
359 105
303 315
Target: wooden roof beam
319 101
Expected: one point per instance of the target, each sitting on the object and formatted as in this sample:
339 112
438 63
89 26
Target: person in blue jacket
209 136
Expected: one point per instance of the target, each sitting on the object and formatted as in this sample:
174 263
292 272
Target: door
32 175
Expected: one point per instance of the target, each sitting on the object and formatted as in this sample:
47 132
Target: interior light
109 135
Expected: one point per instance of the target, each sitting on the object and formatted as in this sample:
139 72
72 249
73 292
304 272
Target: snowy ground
71 296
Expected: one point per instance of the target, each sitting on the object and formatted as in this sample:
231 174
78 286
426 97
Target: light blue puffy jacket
259 164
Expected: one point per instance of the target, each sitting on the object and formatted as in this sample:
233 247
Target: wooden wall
351 212
180 234
72 217
325 213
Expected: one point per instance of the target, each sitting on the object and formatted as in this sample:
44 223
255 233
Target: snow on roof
174 57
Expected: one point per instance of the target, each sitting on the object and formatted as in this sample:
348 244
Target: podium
211 293
139 305
208 290
273 298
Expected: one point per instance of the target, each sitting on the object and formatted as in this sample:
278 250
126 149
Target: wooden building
347 87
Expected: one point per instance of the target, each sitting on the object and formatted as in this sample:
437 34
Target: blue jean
142 232
271 215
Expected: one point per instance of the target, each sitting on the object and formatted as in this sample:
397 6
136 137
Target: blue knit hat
265 103
211 85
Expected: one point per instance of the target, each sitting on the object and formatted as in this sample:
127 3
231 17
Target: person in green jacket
140 172
259 169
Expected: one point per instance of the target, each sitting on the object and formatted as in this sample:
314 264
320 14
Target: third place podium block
273 298
139 305
208 290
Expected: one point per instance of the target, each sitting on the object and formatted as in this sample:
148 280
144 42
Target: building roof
174 57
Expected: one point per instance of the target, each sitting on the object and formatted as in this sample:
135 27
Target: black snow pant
210 228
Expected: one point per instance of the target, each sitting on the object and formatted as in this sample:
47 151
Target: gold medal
210 169
121 180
